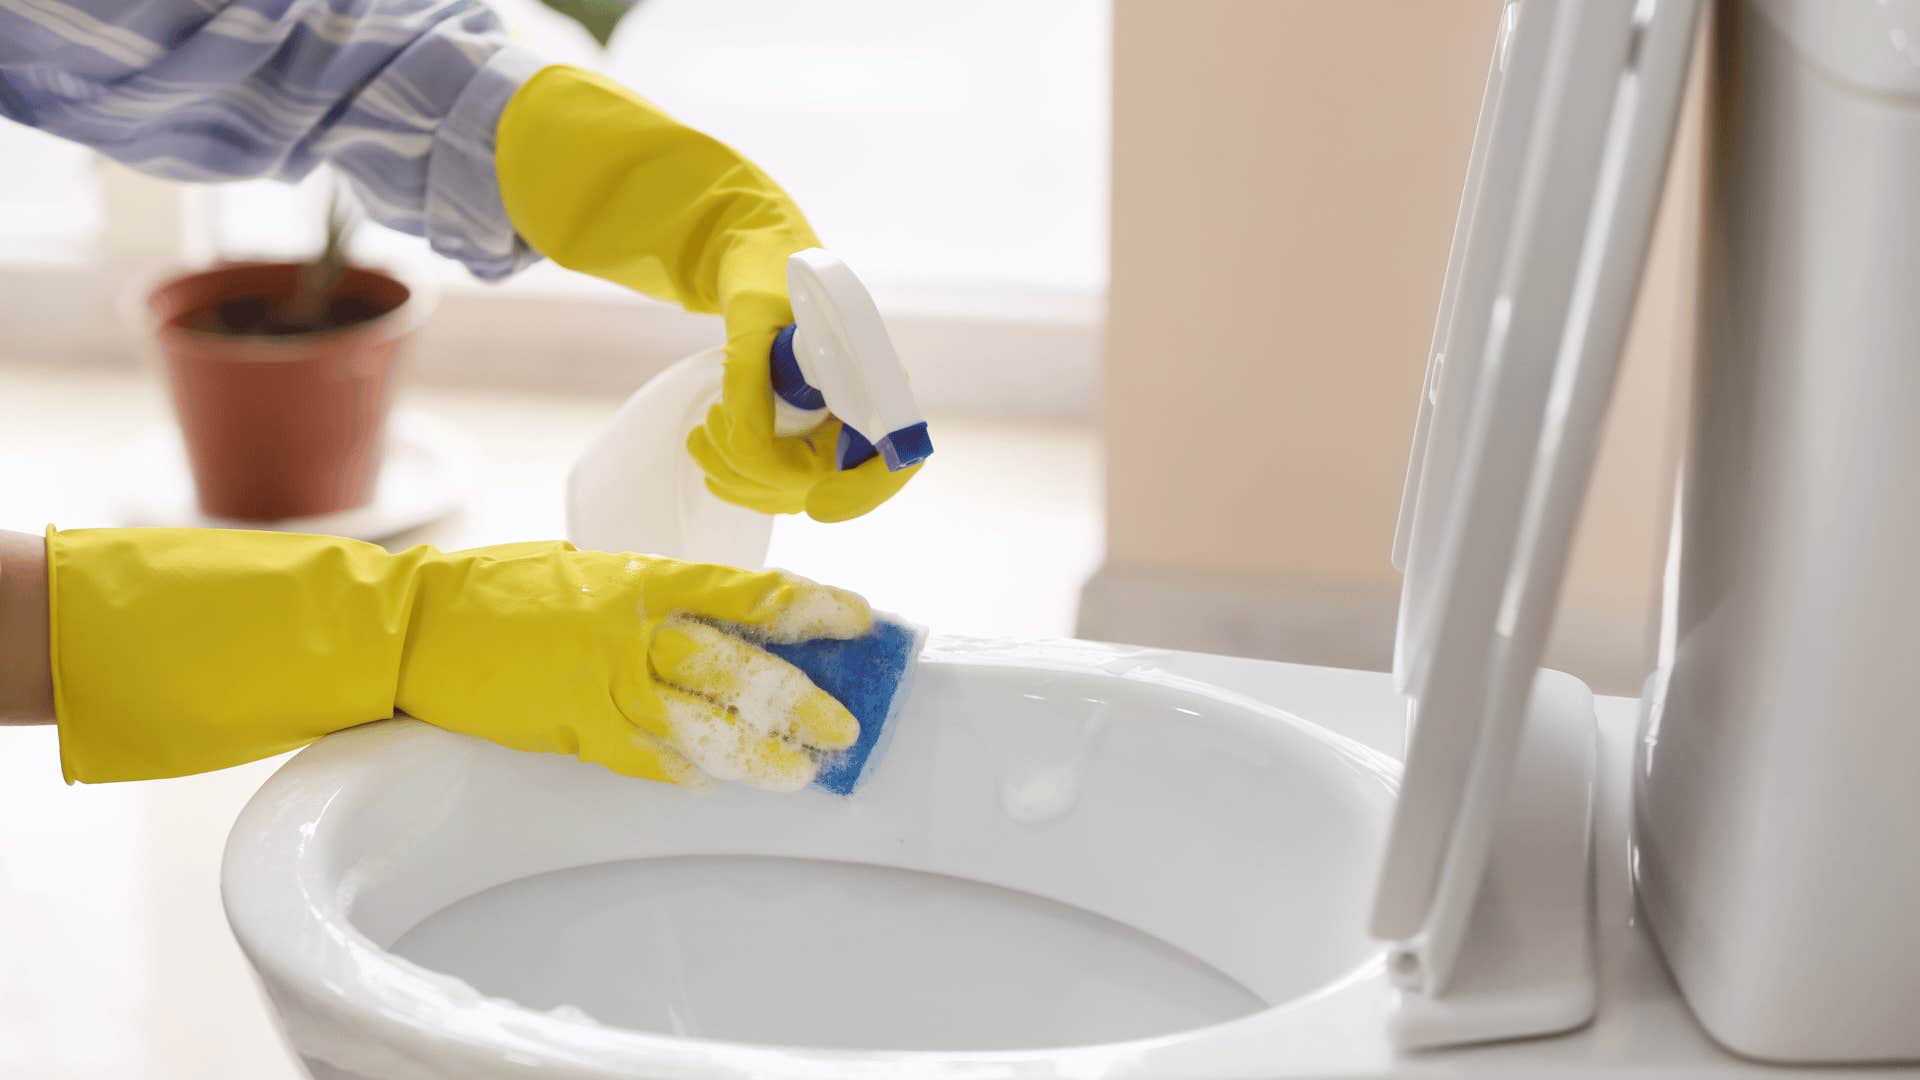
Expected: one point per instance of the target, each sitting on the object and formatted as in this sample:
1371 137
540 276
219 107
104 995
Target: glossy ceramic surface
1052 806
1776 804
806 952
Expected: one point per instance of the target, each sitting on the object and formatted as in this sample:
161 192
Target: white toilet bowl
1069 862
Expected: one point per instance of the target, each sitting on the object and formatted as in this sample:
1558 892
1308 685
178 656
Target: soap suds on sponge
818 611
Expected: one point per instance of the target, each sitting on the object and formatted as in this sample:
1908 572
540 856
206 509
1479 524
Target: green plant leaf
599 17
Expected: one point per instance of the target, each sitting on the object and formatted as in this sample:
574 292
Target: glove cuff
601 181
177 651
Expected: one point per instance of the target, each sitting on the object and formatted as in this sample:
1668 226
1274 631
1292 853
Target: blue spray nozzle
855 450
788 380
907 447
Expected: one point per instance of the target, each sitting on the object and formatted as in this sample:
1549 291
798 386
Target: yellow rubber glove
602 182
178 651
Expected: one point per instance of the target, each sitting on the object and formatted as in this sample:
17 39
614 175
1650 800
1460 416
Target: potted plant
281 372
281 375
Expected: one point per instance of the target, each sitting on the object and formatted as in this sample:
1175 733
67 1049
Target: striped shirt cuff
465 217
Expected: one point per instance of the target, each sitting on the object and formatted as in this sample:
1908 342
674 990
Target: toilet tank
1777 846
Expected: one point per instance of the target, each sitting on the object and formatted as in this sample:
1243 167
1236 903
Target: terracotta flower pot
279 425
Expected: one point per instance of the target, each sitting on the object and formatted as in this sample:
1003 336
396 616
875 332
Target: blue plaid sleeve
402 96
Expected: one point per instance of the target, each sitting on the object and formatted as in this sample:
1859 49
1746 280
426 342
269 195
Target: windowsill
983 349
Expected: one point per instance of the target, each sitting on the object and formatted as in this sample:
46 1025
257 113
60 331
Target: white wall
1286 177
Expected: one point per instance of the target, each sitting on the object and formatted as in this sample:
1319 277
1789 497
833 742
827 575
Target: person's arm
26 685
401 95
184 650
449 131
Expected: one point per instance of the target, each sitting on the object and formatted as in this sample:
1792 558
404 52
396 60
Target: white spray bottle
637 489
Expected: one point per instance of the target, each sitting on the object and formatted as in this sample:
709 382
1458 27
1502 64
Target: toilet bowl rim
410 1006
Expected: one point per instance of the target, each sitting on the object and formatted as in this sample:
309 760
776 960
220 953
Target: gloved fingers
714 738
753 319
633 751
729 484
788 463
847 495
712 459
746 461
777 605
743 433
762 691
791 474
754 497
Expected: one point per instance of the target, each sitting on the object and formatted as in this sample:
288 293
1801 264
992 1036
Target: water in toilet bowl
773 951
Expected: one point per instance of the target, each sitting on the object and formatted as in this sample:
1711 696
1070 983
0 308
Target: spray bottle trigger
789 382
901 449
855 450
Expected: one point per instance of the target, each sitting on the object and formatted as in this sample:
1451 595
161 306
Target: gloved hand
179 651
602 182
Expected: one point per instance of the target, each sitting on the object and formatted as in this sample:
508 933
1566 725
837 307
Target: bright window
936 147
931 144
955 154
49 190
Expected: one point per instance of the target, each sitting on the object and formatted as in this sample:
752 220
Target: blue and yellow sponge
870 675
